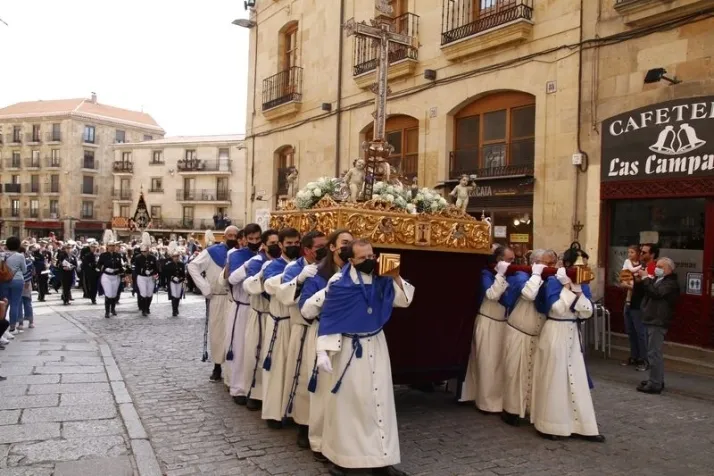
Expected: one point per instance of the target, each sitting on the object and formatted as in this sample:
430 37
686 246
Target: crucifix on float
382 34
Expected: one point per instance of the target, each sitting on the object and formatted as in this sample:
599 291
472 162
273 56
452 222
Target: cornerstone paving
193 426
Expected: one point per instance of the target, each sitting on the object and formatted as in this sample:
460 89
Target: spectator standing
12 290
26 308
633 315
661 293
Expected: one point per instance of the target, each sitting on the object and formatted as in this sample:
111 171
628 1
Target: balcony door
289 59
125 189
402 133
224 162
189 188
222 188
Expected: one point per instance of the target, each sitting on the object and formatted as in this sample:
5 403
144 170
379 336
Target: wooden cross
382 35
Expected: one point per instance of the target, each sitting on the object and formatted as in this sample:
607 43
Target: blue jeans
13 293
637 333
26 310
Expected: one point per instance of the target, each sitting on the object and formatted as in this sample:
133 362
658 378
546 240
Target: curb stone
144 457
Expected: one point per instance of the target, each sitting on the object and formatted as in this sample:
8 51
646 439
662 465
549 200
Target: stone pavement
195 428
64 409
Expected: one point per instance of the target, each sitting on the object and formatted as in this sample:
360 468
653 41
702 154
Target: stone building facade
57 164
189 184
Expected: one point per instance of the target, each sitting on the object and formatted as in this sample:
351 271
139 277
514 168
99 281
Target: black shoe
143 313
319 457
302 439
549 437
642 367
254 405
628 362
595 438
240 400
337 471
2 378
215 377
274 424
106 315
94 302
511 419
389 471
649 388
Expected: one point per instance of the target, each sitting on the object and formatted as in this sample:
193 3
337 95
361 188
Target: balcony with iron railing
52 162
33 163
54 136
123 167
468 28
402 58
51 188
14 213
282 93
13 138
13 163
31 188
51 214
203 195
494 160
122 194
179 224
91 165
13 188
33 138
88 189
87 214
199 166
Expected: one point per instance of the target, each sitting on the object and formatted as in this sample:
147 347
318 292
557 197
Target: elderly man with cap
67 264
205 271
111 266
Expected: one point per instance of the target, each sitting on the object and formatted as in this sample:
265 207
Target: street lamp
655 75
244 23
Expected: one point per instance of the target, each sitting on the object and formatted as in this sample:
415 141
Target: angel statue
292 178
462 191
354 178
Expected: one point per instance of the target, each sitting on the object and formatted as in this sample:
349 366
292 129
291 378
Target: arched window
403 134
494 132
284 160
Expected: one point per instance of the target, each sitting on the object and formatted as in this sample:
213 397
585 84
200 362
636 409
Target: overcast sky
179 60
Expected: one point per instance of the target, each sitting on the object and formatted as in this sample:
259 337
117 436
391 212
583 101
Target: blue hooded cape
218 253
516 282
293 270
552 293
276 267
346 305
239 258
488 277
310 287
255 265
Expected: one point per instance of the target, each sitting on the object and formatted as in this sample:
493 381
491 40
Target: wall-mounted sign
694 284
502 188
649 237
500 231
519 238
673 139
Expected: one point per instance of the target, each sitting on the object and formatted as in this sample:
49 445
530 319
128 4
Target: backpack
5 273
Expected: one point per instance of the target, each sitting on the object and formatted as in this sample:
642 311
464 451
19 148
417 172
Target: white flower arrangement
429 201
397 195
314 191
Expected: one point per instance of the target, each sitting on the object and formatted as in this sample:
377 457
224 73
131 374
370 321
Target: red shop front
657 185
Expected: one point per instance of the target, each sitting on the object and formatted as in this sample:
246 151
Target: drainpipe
252 122
582 168
338 105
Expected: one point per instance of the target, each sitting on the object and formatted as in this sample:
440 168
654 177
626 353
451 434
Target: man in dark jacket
658 305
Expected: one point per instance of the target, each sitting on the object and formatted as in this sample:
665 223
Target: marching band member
111 266
175 275
67 264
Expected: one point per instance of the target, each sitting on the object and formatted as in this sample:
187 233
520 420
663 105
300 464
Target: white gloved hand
147 272
109 270
562 276
308 271
576 288
538 269
176 280
501 267
335 277
323 361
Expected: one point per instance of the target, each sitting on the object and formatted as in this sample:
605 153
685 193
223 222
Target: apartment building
56 169
189 184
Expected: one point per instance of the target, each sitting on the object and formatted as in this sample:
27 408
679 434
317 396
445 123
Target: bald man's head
231 233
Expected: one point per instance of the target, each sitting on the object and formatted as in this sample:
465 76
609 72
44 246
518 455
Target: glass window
155 211
147 137
56 132
54 208
677 225
120 137
190 155
89 134
124 211
34 208
467 133
87 209
15 207
156 157
494 126
395 140
126 157
523 122
156 184
35 133
88 159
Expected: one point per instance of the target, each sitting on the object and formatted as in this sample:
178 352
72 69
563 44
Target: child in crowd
632 264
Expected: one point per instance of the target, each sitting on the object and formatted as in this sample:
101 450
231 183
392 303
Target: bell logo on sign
685 140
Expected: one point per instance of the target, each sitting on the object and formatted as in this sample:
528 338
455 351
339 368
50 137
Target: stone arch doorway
402 132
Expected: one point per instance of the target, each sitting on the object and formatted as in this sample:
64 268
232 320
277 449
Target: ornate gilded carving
387 226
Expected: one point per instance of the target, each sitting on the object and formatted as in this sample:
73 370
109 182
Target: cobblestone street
195 428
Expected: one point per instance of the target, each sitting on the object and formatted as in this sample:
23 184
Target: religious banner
674 139
142 218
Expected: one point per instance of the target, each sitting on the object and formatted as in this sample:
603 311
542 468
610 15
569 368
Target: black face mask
274 251
231 244
320 254
292 252
345 254
367 266
254 246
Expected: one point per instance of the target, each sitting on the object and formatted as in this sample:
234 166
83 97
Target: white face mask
659 272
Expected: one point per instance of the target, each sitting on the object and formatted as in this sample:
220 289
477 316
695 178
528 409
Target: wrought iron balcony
494 160
51 188
89 189
51 214
55 136
122 166
14 212
52 162
87 214
90 164
197 165
182 224
32 163
33 213
13 188
13 163
366 52
203 195
282 88
122 194
32 138
463 18
14 138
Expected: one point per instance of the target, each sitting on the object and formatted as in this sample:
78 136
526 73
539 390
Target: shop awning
44 225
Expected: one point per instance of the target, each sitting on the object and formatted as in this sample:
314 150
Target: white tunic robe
524 325
299 365
484 373
325 381
236 322
219 304
561 402
360 428
253 350
273 396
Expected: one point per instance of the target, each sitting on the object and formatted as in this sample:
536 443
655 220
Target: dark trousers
637 334
42 286
66 279
655 342
90 283
4 325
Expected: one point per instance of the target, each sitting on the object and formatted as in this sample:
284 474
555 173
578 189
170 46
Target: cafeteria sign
673 139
